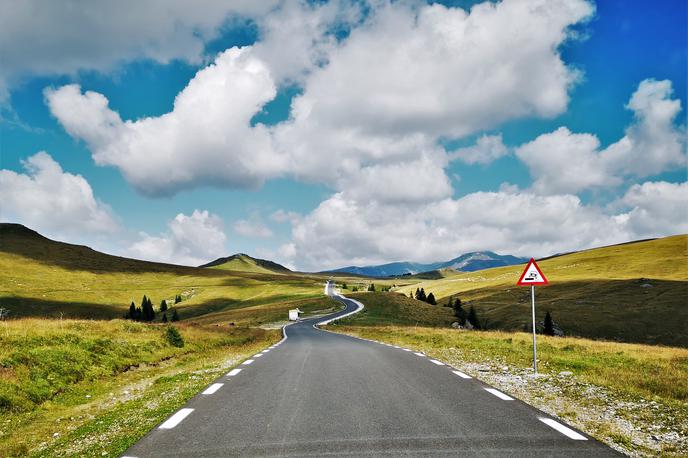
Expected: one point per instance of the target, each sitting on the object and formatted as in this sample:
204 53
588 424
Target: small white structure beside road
294 314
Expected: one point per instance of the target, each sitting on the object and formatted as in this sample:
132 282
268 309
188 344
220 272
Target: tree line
146 312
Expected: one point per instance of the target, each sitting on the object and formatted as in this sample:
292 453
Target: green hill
633 292
244 263
45 278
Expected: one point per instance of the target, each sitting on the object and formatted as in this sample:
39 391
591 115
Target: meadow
92 388
634 292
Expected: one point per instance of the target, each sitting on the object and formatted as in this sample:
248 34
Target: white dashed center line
439 363
568 432
175 419
213 388
258 355
406 349
499 394
247 362
461 374
233 372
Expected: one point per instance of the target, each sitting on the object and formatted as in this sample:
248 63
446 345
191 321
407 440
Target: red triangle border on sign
544 279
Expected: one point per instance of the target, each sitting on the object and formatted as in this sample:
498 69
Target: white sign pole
532 295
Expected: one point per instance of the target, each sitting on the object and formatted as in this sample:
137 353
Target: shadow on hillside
637 311
18 240
24 307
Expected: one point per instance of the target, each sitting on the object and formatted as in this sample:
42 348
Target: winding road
317 393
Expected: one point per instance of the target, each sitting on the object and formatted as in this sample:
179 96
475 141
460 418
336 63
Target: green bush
174 337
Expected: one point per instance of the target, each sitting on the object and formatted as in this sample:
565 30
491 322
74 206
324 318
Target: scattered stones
566 373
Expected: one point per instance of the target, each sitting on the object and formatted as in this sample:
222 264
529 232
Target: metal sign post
531 276
532 297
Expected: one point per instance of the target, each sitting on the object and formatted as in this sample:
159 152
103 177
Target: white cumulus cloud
49 38
566 162
189 240
206 139
487 149
656 208
52 201
252 228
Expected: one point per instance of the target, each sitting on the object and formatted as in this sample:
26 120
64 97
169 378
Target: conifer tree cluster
430 298
461 316
146 312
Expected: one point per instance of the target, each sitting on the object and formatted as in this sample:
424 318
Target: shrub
174 337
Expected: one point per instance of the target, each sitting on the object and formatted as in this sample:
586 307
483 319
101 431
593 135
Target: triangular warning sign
532 275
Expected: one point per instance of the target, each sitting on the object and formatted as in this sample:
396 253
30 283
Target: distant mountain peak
242 261
467 262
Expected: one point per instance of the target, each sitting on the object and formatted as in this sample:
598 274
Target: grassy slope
40 277
396 309
81 388
595 293
244 263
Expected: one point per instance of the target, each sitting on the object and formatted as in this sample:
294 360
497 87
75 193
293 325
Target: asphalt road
322 394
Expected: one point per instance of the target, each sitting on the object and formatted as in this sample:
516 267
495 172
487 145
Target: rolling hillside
44 278
244 263
634 292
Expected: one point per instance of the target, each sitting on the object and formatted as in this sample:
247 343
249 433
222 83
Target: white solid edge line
233 372
566 431
406 349
461 374
419 354
213 388
247 362
439 363
499 394
177 418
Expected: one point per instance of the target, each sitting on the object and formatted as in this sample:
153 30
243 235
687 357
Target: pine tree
163 306
344 286
431 299
139 314
473 318
132 311
371 287
450 302
177 299
459 312
148 314
549 325
164 317
422 296
417 294
175 316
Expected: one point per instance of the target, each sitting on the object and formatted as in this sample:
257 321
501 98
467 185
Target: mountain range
468 262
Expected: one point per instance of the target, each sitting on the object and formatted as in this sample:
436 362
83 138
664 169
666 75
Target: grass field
396 309
84 388
636 292
43 278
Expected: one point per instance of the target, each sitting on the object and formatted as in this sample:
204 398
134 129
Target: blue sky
611 51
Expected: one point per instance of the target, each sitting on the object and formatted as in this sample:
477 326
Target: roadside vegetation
92 388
